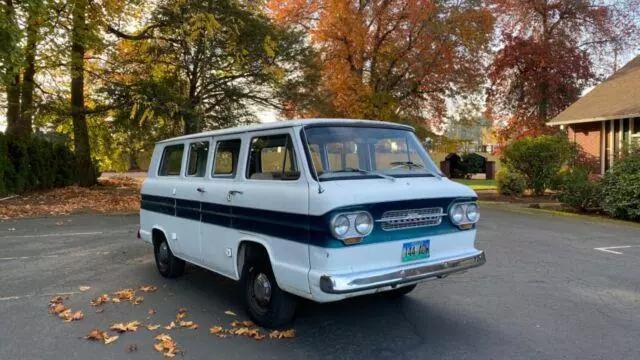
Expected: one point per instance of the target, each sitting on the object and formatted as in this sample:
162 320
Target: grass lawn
479 184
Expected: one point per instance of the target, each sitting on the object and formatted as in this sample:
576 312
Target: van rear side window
171 163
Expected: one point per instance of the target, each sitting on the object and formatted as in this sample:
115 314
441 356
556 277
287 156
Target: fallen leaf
148 288
152 327
109 339
188 324
138 300
166 345
98 311
84 288
170 326
132 348
58 308
151 312
125 294
95 335
56 300
216 330
229 312
121 328
99 300
285 334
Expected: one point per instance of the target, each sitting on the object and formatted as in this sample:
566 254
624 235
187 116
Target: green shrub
510 182
473 163
539 159
621 188
577 191
34 163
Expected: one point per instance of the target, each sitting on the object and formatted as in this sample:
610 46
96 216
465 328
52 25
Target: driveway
546 292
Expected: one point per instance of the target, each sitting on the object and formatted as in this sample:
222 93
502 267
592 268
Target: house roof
617 97
290 123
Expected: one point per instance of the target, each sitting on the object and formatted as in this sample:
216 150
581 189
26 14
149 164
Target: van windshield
345 152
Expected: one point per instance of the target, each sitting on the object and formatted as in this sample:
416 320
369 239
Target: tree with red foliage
548 56
390 60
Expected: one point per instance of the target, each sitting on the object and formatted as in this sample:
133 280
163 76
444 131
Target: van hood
339 193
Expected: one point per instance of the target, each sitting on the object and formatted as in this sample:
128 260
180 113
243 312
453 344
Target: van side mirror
427 142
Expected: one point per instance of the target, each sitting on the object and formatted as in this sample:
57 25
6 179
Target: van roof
286 124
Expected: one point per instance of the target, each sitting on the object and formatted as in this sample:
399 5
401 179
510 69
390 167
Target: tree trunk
26 107
12 75
13 105
85 170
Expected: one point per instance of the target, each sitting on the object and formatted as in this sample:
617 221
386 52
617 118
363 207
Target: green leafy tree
205 63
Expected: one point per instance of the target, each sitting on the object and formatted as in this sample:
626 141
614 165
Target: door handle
231 193
201 190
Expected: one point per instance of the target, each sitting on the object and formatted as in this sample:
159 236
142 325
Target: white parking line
19 297
65 234
52 256
608 249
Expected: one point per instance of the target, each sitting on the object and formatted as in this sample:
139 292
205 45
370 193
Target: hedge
34 163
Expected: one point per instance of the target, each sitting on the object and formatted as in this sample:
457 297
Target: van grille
412 218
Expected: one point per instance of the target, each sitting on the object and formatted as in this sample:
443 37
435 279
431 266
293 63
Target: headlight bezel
352 231
465 222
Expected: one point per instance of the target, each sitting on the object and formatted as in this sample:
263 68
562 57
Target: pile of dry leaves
164 343
118 194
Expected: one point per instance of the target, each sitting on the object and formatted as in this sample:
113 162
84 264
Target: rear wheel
399 292
168 265
266 303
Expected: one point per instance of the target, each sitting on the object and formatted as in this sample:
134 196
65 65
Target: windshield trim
354 176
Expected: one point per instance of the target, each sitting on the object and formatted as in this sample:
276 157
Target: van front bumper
367 280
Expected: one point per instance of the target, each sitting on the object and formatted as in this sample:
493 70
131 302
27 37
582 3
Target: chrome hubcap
262 289
163 254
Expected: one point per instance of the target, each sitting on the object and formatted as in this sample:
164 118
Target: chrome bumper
348 283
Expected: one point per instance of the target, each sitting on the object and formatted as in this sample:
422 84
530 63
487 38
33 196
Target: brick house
606 120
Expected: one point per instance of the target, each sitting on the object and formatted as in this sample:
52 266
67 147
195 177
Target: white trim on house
603 147
601 118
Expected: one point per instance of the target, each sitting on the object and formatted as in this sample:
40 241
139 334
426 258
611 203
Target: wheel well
250 250
157 236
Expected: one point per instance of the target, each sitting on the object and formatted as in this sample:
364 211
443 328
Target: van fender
289 262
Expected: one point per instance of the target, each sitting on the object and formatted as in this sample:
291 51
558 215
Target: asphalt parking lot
554 287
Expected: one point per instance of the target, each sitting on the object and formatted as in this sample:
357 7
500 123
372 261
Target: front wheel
168 265
266 303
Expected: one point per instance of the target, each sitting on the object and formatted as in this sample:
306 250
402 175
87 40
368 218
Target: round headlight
340 225
457 214
364 223
473 213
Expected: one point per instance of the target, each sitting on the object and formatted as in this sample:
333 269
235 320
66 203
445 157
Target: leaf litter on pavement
164 343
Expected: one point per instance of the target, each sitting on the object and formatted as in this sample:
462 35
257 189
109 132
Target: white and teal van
322 209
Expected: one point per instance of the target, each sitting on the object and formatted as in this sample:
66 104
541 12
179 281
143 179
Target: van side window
225 161
171 163
197 164
272 158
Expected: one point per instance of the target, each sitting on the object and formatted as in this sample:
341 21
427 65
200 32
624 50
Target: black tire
168 265
399 292
270 311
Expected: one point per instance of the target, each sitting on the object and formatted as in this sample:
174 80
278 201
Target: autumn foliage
390 60
547 55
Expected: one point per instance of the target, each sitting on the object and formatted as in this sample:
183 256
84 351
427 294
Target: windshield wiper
409 164
412 165
368 172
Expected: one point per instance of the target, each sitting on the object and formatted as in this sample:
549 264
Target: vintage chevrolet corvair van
322 209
